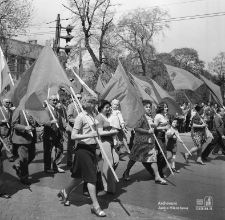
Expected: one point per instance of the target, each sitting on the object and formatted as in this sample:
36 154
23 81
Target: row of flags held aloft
31 90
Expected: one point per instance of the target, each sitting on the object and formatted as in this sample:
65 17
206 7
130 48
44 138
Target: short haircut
146 102
160 107
102 104
218 110
87 101
198 108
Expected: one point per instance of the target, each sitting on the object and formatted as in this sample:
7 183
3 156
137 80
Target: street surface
139 199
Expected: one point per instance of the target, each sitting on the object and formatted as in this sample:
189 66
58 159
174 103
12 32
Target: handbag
99 183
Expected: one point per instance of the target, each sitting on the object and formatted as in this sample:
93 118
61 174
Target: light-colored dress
143 149
107 144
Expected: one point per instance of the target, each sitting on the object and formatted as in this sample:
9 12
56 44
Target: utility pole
57 34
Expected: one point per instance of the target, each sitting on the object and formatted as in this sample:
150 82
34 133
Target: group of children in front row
116 121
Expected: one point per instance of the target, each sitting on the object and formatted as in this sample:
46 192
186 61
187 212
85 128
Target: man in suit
5 128
71 115
52 137
218 134
24 135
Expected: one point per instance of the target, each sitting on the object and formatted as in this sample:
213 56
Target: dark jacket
20 135
5 130
218 126
51 131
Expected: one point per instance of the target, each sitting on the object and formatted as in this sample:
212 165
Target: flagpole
74 104
198 115
96 138
4 145
4 116
84 84
178 137
49 108
27 121
10 76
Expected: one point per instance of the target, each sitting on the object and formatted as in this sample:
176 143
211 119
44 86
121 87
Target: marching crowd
149 143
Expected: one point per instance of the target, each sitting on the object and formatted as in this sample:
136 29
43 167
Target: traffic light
68 37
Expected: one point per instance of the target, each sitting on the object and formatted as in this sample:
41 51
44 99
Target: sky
206 34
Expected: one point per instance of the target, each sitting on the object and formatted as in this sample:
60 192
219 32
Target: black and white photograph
112 109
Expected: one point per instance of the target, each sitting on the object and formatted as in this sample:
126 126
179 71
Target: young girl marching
172 134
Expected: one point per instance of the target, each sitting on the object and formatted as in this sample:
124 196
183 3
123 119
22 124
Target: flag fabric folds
32 89
182 79
119 87
214 89
100 85
4 71
156 94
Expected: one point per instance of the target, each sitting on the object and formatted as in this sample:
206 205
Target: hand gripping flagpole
74 104
96 138
162 152
49 108
178 137
27 121
199 116
4 144
4 117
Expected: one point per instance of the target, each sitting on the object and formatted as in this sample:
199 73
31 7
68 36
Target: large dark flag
119 87
214 89
182 79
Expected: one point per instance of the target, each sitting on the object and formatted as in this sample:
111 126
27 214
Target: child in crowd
116 119
172 134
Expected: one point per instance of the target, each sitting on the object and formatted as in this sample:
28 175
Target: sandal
126 176
186 158
161 181
175 171
98 212
63 198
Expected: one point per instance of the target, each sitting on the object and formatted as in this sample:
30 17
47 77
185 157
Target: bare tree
137 30
94 17
15 17
217 66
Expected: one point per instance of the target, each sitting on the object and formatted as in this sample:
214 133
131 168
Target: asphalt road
178 198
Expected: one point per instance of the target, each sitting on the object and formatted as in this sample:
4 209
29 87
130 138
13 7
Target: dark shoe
69 164
49 171
63 198
161 181
11 159
223 152
5 196
214 153
98 212
185 157
126 176
204 158
25 181
17 171
175 171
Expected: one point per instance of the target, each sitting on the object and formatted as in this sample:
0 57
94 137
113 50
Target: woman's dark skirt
84 164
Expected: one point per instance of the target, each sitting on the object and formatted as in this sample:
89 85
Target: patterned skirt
198 137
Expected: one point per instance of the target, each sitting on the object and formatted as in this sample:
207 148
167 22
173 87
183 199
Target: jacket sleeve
16 122
47 123
219 125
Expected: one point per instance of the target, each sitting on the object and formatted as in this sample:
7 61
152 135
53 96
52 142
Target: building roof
24 49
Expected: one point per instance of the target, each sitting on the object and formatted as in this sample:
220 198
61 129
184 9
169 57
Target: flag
100 84
145 90
214 89
119 87
150 90
32 89
4 71
182 79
